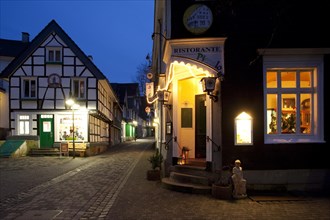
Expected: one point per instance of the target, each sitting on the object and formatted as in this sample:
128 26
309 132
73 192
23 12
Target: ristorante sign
207 51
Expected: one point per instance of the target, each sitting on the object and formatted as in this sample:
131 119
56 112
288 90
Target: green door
46 131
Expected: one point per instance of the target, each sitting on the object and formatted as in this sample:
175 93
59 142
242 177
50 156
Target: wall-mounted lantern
243 129
208 85
163 95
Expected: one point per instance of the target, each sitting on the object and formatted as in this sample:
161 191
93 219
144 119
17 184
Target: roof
12 48
121 89
39 39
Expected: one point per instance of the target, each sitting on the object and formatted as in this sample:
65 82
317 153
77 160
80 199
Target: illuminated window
24 124
286 88
29 87
293 95
54 54
243 129
291 104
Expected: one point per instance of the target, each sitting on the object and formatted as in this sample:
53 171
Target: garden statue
238 181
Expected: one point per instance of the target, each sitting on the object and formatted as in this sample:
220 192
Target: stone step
44 152
192 170
190 179
171 184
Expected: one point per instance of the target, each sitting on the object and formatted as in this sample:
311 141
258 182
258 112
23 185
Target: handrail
218 146
167 143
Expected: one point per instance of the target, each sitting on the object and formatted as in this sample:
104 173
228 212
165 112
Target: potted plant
223 188
155 160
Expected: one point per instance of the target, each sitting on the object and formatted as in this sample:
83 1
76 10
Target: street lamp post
73 144
73 105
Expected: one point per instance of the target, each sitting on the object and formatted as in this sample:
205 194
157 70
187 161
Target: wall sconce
208 85
163 95
243 129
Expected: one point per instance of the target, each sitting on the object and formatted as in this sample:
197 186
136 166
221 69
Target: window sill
29 99
54 63
292 139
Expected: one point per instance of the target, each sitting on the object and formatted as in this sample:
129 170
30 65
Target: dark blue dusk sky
117 33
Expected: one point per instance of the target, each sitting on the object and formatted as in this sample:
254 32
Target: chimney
90 57
25 37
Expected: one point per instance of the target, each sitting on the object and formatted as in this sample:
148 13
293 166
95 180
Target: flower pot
153 175
222 192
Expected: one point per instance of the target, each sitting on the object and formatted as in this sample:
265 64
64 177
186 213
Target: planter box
222 192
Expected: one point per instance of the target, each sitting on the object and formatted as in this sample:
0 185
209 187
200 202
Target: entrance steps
52 151
190 178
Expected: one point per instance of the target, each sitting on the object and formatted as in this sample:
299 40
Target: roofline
50 28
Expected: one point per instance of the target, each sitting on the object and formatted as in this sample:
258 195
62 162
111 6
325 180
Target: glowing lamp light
208 84
243 129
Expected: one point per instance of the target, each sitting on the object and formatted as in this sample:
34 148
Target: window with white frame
293 104
54 54
24 124
79 88
29 87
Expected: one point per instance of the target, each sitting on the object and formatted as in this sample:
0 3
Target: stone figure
238 181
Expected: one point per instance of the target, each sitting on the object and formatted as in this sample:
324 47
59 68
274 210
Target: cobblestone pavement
113 185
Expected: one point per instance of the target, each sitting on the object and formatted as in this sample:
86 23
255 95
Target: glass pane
82 89
305 113
26 88
288 80
51 55
305 79
46 126
33 88
21 127
75 88
58 56
271 80
271 113
288 118
26 127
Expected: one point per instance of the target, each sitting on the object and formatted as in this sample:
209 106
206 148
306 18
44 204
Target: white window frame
275 59
80 95
29 79
54 50
24 124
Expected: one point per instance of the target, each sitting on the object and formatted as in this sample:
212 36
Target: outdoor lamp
70 102
243 129
208 85
163 95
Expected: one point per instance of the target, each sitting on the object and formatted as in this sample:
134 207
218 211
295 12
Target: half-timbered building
51 70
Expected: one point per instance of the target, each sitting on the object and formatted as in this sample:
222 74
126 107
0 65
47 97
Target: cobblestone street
113 185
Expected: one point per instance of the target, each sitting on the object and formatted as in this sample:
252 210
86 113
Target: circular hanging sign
198 18
150 75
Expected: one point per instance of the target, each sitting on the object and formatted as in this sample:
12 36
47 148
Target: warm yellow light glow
244 116
75 106
243 129
135 123
156 120
70 102
193 71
